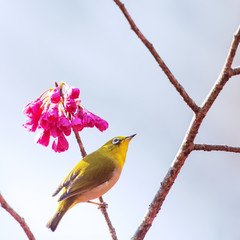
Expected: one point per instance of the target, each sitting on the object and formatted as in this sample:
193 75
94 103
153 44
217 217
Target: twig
103 207
110 226
224 76
235 71
19 219
80 144
207 147
159 60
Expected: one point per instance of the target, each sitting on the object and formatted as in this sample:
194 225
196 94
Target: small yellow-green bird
93 176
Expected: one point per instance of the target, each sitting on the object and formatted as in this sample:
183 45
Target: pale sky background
89 45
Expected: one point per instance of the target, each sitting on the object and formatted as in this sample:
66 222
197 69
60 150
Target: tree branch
19 219
235 71
109 223
80 144
103 206
224 76
187 144
159 60
207 147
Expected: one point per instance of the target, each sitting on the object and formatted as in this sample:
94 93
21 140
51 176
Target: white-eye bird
92 177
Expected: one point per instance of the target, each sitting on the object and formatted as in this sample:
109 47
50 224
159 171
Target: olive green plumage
93 176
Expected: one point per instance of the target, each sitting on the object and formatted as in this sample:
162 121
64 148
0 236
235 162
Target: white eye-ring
115 141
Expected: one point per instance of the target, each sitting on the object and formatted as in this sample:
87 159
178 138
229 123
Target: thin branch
19 219
103 206
109 223
80 144
224 76
159 60
187 144
233 50
207 147
235 71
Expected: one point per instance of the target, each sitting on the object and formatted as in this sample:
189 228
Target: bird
92 177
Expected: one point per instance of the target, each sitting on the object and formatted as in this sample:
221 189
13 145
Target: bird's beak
130 137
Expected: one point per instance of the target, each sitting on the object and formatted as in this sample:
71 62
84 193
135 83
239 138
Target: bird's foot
103 205
100 205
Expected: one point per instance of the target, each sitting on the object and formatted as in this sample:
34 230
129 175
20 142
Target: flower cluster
57 114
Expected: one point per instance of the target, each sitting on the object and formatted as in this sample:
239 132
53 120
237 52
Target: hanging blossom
56 113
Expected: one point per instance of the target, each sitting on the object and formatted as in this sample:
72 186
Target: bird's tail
63 207
53 223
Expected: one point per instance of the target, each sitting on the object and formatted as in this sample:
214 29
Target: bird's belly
101 189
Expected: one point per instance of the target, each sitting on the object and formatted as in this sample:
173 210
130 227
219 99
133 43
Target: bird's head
117 147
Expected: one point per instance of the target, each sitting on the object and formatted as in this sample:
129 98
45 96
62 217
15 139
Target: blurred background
90 45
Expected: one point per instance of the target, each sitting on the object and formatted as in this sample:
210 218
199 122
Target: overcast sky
90 45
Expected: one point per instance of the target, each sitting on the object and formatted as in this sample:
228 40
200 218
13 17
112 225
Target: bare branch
187 144
19 219
110 226
235 71
207 147
159 60
224 76
233 50
80 144
103 207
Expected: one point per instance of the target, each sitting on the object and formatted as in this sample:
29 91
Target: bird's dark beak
130 137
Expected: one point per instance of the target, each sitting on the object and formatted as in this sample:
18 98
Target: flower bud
60 144
55 95
77 124
43 138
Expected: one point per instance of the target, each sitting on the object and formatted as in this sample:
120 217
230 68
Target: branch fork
199 114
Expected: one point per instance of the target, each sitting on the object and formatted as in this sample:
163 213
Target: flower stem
80 144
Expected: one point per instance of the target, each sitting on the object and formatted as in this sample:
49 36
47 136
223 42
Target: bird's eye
115 141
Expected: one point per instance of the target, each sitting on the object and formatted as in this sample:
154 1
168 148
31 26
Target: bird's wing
65 183
91 172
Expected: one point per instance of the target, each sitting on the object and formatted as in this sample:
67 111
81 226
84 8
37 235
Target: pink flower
43 138
60 144
87 117
77 124
80 112
55 95
32 108
54 130
70 105
100 124
43 121
57 119
31 124
72 92
52 114
64 125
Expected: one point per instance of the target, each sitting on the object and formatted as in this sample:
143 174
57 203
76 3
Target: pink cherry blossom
80 112
87 117
44 122
31 124
43 137
55 95
100 124
72 92
70 105
77 123
32 108
56 118
64 125
54 130
52 114
60 144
